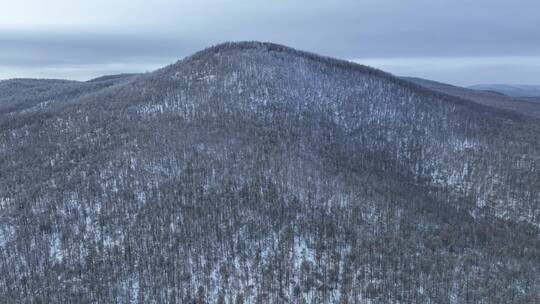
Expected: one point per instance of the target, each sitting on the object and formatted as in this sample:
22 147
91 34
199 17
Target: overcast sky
462 42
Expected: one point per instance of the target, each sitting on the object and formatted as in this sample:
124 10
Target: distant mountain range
510 90
528 106
255 173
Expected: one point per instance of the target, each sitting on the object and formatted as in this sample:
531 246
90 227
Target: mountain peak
248 45
244 46
268 48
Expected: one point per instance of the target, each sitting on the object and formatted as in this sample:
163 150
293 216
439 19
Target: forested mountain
523 105
254 173
533 99
511 90
21 95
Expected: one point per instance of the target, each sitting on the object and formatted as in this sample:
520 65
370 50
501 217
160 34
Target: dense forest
255 173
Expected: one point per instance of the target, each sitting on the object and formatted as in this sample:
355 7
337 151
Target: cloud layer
80 39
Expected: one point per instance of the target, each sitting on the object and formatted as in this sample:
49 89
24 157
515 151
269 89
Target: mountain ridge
273 47
494 99
345 64
514 90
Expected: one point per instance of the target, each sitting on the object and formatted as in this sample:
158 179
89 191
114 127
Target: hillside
523 105
19 95
533 99
510 90
255 173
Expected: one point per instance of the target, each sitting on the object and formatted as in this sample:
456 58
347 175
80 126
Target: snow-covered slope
251 172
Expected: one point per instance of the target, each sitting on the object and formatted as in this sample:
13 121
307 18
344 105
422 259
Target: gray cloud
46 48
139 33
463 70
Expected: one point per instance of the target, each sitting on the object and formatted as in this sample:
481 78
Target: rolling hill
510 90
523 105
